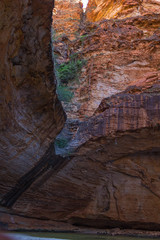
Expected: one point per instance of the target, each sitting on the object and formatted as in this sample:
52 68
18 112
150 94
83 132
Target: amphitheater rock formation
108 175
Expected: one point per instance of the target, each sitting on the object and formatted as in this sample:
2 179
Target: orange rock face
67 16
108 9
115 144
109 176
31 115
118 54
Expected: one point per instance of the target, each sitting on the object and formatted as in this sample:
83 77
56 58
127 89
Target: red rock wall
107 9
111 179
118 53
31 115
116 143
67 16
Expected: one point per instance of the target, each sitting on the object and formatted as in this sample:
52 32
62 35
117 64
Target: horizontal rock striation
67 16
118 54
114 122
122 144
112 179
109 176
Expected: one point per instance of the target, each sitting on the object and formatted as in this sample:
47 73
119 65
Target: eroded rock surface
107 9
112 180
111 177
118 53
114 119
31 115
67 16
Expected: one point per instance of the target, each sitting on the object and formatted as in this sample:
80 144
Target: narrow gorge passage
47 165
104 171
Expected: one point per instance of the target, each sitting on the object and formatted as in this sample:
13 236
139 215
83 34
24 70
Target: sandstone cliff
117 53
107 9
67 16
114 119
110 174
31 115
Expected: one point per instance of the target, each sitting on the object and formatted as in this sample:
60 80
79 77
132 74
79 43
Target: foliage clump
70 71
66 73
64 93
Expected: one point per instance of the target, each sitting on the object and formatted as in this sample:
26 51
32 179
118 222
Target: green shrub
69 71
74 56
64 93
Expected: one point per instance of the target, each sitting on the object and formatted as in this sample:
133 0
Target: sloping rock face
107 9
115 144
117 164
110 177
112 180
31 115
118 54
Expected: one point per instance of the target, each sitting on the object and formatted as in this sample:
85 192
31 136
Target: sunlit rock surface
114 118
107 9
67 16
117 54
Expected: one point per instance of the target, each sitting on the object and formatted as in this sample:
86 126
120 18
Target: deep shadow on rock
111 178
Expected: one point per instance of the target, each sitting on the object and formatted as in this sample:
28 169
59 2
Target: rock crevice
111 177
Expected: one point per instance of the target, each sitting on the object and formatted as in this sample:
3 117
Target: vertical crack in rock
115 198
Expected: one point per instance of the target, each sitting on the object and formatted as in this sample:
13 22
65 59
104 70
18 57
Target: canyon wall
108 173
102 9
113 118
118 53
31 115
67 16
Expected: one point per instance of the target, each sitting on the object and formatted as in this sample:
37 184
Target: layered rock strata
114 123
112 180
117 163
111 176
67 16
107 9
117 53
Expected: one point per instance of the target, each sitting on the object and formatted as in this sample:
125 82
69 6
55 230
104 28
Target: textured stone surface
31 115
116 141
107 9
118 53
67 16
111 178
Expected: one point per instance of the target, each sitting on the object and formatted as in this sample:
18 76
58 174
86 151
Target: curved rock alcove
111 178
